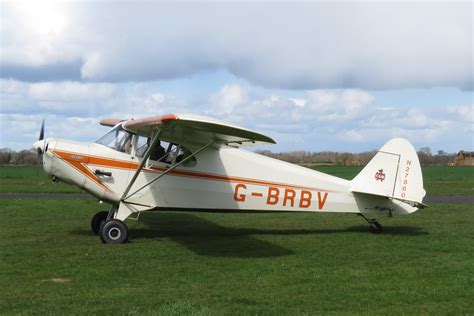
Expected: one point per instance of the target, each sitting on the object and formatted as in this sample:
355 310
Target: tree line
18 158
30 157
348 159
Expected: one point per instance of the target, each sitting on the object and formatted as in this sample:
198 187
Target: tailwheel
97 220
375 227
114 231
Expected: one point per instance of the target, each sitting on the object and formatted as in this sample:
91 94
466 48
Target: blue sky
313 75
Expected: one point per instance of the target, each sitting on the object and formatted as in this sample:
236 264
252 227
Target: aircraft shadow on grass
210 239
207 238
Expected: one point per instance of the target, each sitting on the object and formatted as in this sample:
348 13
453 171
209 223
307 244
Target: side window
191 162
179 153
174 153
141 145
171 153
160 153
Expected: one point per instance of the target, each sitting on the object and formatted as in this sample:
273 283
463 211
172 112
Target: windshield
121 140
117 138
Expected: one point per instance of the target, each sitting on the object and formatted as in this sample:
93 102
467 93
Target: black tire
375 227
114 231
97 220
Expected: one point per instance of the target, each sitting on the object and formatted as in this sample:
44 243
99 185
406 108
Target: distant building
352 162
464 158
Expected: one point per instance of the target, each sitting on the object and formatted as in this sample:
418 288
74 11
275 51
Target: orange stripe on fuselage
215 177
79 166
120 164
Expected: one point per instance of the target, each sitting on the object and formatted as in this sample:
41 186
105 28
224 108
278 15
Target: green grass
203 263
449 180
31 180
214 264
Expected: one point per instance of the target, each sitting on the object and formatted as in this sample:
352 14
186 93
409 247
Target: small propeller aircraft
190 162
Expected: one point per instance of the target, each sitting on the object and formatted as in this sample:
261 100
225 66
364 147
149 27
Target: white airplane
189 162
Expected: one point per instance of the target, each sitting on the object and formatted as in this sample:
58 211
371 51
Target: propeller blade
41 137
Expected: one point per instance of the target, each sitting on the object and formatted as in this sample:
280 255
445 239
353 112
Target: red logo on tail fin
380 176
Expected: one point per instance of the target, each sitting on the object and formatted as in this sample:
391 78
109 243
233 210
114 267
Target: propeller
39 146
41 137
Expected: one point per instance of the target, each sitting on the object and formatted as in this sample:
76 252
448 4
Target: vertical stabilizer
394 172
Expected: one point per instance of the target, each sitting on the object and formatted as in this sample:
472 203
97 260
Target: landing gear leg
374 226
111 213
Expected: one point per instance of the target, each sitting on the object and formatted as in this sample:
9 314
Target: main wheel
114 231
375 227
97 220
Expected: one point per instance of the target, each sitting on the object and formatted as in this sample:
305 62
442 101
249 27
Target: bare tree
25 158
5 157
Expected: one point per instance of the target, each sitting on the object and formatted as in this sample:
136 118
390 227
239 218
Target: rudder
394 172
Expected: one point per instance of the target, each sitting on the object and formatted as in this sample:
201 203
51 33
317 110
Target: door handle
102 173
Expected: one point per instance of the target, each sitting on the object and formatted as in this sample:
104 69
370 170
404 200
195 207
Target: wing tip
159 119
110 122
169 117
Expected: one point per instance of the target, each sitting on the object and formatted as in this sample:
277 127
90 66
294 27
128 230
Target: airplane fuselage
222 178
190 162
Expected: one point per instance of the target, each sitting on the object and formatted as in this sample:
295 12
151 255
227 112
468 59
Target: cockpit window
164 152
121 140
171 153
118 139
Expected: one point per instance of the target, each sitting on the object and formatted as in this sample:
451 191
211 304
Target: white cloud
351 135
416 118
229 97
463 112
38 34
71 91
333 105
321 99
158 97
92 60
298 102
309 45
346 120
355 102
19 131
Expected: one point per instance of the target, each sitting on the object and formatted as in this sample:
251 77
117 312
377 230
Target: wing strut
172 167
142 163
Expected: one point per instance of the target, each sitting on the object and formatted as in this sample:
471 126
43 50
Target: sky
313 75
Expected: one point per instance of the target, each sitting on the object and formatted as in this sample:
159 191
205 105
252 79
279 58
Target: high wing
194 129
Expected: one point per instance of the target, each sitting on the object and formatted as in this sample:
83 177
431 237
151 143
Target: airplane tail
394 173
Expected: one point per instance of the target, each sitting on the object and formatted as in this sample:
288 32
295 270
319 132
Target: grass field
213 264
30 180
182 263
